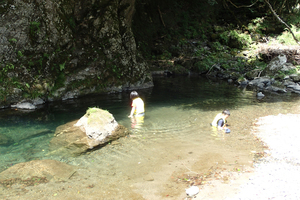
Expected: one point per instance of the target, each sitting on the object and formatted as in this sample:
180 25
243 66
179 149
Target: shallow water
174 137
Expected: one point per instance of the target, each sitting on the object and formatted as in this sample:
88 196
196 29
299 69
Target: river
175 139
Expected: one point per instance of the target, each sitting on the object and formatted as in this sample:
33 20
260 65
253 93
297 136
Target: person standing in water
137 111
137 105
220 121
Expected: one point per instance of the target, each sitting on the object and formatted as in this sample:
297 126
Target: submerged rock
5 140
96 127
50 169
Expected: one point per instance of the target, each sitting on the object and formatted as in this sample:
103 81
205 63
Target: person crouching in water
220 121
137 111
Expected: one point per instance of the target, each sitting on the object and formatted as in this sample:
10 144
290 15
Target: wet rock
295 77
261 81
260 95
287 83
51 169
276 89
97 127
38 101
24 105
294 87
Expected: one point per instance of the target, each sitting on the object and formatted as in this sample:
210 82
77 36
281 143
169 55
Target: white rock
192 191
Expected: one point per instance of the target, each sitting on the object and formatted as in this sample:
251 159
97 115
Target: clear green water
176 124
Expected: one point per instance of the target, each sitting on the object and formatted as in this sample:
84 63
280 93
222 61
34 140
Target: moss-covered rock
96 127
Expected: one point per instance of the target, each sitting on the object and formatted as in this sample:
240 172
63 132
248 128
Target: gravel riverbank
275 176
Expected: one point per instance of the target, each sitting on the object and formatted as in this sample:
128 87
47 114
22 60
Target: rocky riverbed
273 176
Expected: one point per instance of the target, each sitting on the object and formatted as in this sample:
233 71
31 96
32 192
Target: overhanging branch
244 6
281 21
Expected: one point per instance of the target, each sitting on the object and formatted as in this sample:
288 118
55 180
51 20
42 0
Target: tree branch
281 21
161 18
243 5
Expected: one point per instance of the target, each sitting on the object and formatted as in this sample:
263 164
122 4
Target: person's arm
132 111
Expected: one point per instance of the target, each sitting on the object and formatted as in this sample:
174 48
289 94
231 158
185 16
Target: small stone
148 178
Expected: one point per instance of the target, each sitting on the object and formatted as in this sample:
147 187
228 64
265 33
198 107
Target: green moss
34 29
60 81
92 110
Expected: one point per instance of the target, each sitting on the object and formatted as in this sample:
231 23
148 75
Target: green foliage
72 23
257 25
180 69
235 39
13 40
34 28
241 79
206 63
8 67
217 46
287 38
60 81
20 54
62 66
258 64
116 71
201 51
166 55
239 65
92 110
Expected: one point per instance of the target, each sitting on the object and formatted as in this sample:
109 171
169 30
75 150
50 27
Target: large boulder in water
97 127
46 170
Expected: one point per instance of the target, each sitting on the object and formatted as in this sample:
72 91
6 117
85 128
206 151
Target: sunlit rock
260 95
295 77
24 105
97 127
294 87
278 64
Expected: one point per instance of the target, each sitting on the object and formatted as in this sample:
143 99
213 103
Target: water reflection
137 122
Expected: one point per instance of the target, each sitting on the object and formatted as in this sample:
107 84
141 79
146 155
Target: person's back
138 103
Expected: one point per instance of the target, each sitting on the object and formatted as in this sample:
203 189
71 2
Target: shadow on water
174 129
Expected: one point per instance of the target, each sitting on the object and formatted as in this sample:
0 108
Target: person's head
226 113
134 95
